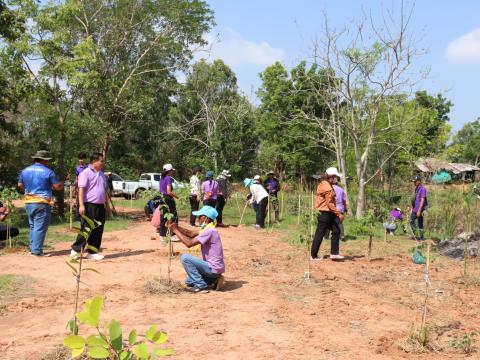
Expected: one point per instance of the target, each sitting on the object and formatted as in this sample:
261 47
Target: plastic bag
418 258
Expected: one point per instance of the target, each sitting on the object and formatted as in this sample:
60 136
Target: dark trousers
261 212
414 219
326 220
3 232
172 209
93 212
194 204
221 201
210 202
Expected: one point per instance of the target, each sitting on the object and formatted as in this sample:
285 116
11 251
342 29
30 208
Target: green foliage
465 144
111 345
467 344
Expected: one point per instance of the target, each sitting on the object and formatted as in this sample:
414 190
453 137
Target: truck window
115 177
156 177
145 177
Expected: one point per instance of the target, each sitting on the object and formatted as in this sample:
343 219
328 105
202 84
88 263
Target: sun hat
271 172
209 174
247 182
333 171
208 211
168 167
256 177
42 155
226 173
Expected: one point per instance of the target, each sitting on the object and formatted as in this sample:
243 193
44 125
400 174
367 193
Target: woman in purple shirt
166 188
210 190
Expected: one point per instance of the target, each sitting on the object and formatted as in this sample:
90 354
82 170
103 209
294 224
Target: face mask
202 225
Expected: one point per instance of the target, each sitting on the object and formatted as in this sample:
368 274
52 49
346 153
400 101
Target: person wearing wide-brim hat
222 195
209 190
419 205
37 181
204 273
195 193
272 185
259 200
166 188
328 213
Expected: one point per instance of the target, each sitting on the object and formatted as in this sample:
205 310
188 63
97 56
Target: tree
465 146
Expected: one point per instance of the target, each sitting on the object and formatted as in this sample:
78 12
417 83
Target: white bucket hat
226 173
168 167
333 171
256 177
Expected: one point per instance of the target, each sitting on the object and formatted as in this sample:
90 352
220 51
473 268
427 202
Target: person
325 203
6 232
82 164
195 193
396 215
257 179
222 196
419 205
94 204
206 272
37 181
259 200
341 205
272 185
166 188
210 190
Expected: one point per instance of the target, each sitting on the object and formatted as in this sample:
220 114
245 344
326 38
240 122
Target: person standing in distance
222 197
210 190
419 205
94 204
37 181
195 193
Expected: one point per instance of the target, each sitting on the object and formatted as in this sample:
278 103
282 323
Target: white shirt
258 193
195 185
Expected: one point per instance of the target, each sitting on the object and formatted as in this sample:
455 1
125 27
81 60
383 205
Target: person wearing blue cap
204 273
210 190
259 201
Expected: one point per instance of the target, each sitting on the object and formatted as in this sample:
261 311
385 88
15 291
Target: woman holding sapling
166 188
328 213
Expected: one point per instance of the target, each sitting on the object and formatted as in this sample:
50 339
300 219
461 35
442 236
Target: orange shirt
325 199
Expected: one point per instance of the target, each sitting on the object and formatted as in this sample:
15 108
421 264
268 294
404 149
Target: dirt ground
348 310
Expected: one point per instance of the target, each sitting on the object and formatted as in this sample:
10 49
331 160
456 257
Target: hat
417 178
42 155
168 167
208 211
209 174
247 182
271 172
256 177
333 171
226 173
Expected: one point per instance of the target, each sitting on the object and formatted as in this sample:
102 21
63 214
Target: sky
252 34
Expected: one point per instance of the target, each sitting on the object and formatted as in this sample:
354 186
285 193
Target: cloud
237 52
465 49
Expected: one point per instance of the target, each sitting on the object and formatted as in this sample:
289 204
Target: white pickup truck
147 181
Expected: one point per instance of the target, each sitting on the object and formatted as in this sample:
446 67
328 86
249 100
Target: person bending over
204 273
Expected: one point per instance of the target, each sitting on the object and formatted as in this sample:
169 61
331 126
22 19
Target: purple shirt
80 168
420 192
212 250
210 187
339 198
164 182
396 215
271 185
94 183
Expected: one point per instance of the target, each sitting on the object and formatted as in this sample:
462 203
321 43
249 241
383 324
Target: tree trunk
360 213
61 166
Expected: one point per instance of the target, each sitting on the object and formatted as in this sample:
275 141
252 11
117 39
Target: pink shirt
212 250
94 184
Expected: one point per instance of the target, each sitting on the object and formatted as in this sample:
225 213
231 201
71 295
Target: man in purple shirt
82 164
210 190
204 273
94 204
419 205
272 185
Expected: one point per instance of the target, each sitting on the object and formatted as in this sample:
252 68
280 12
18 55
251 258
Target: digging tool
243 213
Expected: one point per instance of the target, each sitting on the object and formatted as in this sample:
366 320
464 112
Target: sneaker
195 289
315 258
337 257
220 282
95 256
175 238
257 227
74 255
42 254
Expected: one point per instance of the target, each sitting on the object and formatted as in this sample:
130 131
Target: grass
12 286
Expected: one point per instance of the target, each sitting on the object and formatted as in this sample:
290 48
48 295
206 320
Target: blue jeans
38 218
413 220
198 272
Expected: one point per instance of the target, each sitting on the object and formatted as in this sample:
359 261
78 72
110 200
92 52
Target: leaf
77 352
83 234
98 352
73 327
72 267
96 341
141 350
151 332
88 220
163 352
126 355
115 332
92 248
91 315
90 269
132 337
99 223
74 342
160 338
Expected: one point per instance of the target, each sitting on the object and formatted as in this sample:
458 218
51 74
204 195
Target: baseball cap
208 211
333 171
168 167
209 174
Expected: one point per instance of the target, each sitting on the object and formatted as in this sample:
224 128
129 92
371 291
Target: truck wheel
138 193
